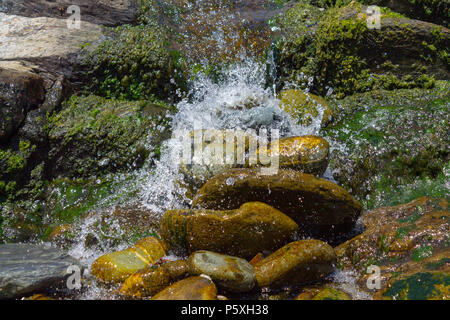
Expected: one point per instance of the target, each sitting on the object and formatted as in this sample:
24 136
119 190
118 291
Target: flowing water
216 105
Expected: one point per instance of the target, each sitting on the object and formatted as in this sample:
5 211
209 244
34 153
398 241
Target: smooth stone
323 293
27 268
297 263
230 273
307 154
326 209
153 279
115 267
192 288
253 228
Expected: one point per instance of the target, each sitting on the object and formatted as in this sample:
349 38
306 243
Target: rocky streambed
94 204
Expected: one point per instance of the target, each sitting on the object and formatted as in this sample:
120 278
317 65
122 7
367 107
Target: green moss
94 136
422 252
136 64
420 286
326 51
390 146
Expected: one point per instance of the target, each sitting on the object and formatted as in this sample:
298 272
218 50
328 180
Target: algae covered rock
338 53
392 145
417 286
92 135
243 232
117 266
305 107
231 273
318 203
153 279
401 241
296 263
192 288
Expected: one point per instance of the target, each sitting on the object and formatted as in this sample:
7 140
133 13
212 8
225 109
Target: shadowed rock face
20 90
26 268
105 12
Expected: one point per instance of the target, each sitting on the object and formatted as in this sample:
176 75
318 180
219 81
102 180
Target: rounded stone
230 273
192 288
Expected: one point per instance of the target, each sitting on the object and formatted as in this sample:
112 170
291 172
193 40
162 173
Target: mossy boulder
305 107
153 279
230 273
338 53
116 267
192 288
401 240
93 136
243 232
296 263
392 145
320 206
135 63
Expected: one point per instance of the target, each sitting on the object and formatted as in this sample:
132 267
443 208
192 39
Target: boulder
117 266
336 52
27 268
243 232
192 288
230 273
296 263
314 202
106 12
47 42
153 279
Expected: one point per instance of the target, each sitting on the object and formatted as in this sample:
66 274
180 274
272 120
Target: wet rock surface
192 288
27 268
230 273
308 200
228 232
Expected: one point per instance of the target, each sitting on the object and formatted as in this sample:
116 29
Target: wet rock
253 228
337 52
21 89
318 203
117 266
106 12
230 273
305 107
193 288
308 154
27 268
96 135
405 240
153 279
296 263
324 293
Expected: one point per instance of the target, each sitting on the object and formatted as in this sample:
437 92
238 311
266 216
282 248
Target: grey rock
26 268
